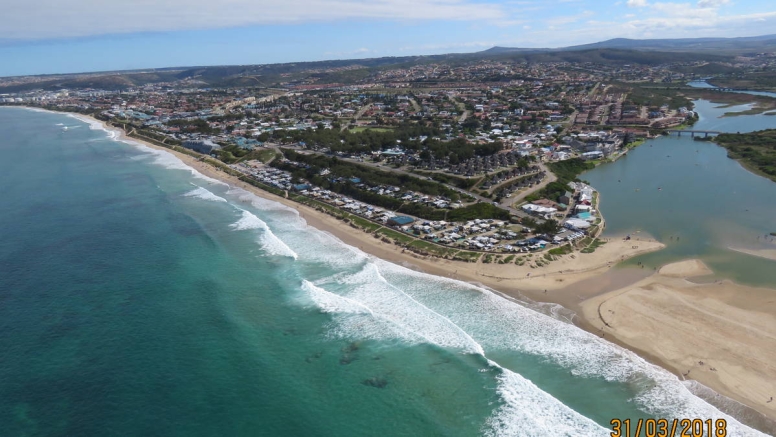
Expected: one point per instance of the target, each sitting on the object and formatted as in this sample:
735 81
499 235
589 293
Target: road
356 116
519 213
550 177
461 107
361 111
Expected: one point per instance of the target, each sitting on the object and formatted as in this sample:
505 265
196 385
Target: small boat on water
64 129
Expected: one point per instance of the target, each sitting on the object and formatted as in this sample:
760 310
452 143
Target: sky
55 36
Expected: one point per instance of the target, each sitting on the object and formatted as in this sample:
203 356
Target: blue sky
55 36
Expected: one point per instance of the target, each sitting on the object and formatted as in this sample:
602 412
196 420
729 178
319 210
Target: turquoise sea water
139 298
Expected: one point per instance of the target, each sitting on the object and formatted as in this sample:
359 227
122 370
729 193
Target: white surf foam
386 301
528 411
503 325
248 221
162 157
260 203
370 289
333 303
268 240
94 125
170 161
353 316
202 193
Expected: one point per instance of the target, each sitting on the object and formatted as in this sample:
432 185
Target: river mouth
690 196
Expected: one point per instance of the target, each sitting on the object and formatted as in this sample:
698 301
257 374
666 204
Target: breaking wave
268 240
453 314
201 193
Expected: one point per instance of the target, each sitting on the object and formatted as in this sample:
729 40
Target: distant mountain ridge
676 44
717 52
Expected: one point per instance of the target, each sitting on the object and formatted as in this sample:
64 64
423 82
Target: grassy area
467 256
562 250
752 111
359 129
653 95
364 223
265 155
764 80
396 236
634 144
568 170
595 244
459 182
507 260
433 249
755 150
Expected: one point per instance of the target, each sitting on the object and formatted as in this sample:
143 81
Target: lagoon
689 195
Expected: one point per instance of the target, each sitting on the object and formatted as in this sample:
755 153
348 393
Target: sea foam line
162 157
526 409
540 334
204 194
268 240
369 288
529 411
410 316
502 324
352 316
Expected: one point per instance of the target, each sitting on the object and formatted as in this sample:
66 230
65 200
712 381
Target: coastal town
472 162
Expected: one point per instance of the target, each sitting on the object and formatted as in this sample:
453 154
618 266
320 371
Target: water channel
689 195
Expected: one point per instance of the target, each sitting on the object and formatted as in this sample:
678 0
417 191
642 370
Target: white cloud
712 3
637 3
568 19
659 20
40 19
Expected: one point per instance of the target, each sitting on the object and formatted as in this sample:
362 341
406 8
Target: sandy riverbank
728 327
760 253
664 317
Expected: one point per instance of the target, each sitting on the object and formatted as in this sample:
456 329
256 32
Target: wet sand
728 327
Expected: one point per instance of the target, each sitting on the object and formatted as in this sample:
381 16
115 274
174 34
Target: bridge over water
705 133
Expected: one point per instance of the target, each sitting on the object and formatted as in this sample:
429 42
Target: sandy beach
760 253
720 334
653 310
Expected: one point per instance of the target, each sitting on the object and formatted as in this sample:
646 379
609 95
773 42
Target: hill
726 45
716 52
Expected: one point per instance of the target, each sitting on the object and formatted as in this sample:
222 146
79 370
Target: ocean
141 298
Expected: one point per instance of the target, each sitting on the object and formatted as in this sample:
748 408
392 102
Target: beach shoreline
552 283
721 334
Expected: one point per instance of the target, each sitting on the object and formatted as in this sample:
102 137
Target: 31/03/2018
668 428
